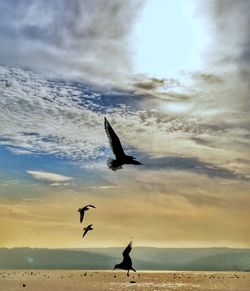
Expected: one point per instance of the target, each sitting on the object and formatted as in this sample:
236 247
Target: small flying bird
82 211
126 264
120 157
86 229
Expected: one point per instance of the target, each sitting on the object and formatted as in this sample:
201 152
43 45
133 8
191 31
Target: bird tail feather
113 165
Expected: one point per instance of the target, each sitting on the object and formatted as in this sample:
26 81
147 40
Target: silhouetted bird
120 157
126 264
86 229
82 210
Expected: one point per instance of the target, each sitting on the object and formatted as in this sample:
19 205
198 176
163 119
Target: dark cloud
208 78
201 141
88 39
189 164
149 84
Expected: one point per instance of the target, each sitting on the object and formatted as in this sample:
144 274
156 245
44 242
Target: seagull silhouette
86 229
82 211
126 264
120 157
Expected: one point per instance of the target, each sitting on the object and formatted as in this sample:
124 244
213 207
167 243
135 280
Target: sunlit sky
165 30
172 77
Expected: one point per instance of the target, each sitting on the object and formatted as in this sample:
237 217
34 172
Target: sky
172 78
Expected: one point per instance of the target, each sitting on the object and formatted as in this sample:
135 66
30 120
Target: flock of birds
114 164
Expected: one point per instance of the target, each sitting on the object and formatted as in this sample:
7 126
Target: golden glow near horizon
176 211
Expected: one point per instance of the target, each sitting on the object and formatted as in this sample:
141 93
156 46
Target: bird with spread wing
86 229
126 264
120 157
82 211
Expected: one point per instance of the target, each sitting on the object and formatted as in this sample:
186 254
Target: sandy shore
68 280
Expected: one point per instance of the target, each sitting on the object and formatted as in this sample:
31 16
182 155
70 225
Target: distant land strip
144 258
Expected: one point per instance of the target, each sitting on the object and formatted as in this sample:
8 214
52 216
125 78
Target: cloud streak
54 179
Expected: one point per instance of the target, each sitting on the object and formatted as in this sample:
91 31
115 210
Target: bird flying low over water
120 157
86 229
82 211
126 264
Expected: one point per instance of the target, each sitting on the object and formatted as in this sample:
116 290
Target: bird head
79 209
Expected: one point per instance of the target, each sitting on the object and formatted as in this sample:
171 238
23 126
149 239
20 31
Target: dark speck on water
132 281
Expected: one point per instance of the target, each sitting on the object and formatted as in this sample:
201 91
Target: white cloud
59 184
45 116
19 151
54 179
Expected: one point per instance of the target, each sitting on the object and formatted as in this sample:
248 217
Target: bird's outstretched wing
127 250
114 141
81 216
85 231
90 206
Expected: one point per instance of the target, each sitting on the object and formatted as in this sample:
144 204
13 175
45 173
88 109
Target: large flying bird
120 157
82 211
126 264
86 229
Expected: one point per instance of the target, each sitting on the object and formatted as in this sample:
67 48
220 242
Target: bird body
82 211
86 229
126 264
120 157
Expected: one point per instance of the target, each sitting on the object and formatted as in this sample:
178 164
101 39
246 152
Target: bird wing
127 250
81 216
85 231
114 141
90 206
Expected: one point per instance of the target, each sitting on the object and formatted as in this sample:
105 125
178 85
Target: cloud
52 178
208 78
59 184
41 115
192 165
79 39
65 119
147 83
229 50
230 21
17 151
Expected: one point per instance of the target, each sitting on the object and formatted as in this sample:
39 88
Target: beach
38 280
